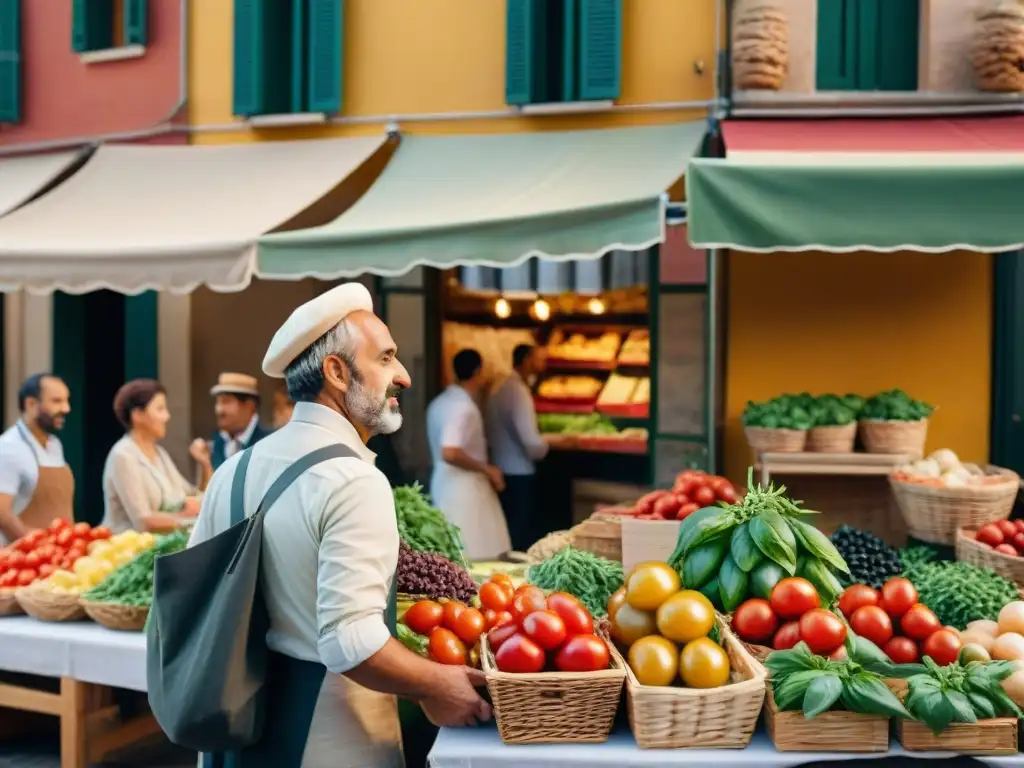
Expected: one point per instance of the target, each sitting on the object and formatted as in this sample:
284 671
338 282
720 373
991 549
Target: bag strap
238 488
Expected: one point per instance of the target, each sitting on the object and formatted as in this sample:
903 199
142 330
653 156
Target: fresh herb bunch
871 560
784 412
960 593
802 681
956 693
424 527
588 577
835 411
132 583
895 405
911 557
731 552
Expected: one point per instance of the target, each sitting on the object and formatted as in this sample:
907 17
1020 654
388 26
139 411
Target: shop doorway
1006 428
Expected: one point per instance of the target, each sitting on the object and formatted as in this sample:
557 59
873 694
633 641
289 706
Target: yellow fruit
62 579
685 616
123 557
146 540
85 565
100 548
615 601
629 625
650 585
703 664
654 660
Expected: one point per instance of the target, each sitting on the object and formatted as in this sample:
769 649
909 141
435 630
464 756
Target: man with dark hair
236 405
516 443
464 485
36 484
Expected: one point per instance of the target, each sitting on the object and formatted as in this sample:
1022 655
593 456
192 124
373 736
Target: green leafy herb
895 405
424 528
822 694
591 578
959 592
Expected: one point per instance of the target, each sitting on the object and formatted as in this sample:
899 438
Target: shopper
463 484
330 549
516 444
36 483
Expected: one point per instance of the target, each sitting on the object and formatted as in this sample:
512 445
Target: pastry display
579 347
569 388
642 393
618 390
495 346
637 349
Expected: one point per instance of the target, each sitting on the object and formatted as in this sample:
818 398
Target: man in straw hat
236 405
330 548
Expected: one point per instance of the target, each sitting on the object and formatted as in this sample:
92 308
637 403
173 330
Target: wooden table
89 662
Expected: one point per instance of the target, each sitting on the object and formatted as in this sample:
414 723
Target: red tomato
450 613
839 654
424 617
855 597
494 596
82 530
943 646
872 623
667 506
496 619
792 597
9 578
527 602
574 615
919 622
787 636
446 648
76 552
469 625
545 628
45 552
898 595
25 544
728 494
99 533
502 578
1008 528
822 630
686 510
33 560
500 634
1018 541
990 534
520 654
1007 549
27 576
16 559
704 496
645 504
755 621
1019 522
57 525
902 650
45 570
3 562
583 653
65 537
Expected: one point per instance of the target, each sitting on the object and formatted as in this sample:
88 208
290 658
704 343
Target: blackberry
871 560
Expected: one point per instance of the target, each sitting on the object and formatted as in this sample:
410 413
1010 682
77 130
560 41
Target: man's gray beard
375 416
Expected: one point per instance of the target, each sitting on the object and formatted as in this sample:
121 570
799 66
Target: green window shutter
298 55
249 87
837 45
92 25
520 51
600 49
898 36
570 39
141 352
136 22
326 38
10 61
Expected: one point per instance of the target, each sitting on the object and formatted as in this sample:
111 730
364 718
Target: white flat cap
312 320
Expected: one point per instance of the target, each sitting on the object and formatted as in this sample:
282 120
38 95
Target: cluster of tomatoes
691 491
41 552
896 622
791 615
1004 536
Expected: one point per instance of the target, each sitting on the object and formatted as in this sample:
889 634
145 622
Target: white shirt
454 421
21 456
233 445
516 442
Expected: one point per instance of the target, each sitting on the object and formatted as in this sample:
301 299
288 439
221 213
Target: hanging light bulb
595 306
502 309
541 310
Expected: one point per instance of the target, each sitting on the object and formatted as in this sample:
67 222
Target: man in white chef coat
330 545
463 484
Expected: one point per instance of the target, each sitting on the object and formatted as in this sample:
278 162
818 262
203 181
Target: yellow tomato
615 601
123 557
650 585
85 565
100 548
685 616
62 579
703 664
629 625
654 660
146 540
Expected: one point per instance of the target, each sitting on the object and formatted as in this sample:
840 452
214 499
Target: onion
1011 618
987 626
977 637
946 459
1008 647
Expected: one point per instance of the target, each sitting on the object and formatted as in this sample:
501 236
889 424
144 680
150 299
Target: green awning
496 200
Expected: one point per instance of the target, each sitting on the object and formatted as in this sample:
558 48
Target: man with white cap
330 550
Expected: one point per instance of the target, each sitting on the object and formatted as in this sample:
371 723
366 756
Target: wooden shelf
834 464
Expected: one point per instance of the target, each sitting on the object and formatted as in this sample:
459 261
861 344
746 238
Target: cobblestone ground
46 754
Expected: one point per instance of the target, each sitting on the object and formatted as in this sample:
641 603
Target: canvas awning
497 200
931 185
22 178
168 217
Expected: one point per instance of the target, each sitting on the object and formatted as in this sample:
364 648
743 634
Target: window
867 45
288 57
10 61
99 25
563 51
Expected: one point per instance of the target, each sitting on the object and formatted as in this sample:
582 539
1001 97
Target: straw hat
236 384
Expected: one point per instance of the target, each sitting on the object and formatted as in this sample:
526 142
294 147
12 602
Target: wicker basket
760 48
713 718
125 618
969 550
759 652
39 603
997 46
553 707
832 439
599 535
828 732
9 603
997 736
934 513
894 437
763 440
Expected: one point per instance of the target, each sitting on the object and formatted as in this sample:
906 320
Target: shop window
10 61
287 57
101 25
682 357
673 456
563 51
867 45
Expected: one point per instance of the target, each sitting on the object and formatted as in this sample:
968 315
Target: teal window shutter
570 61
325 41
898 40
136 22
249 92
600 49
836 67
301 31
520 51
92 25
10 61
141 349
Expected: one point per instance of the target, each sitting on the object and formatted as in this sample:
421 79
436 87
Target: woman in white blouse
142 488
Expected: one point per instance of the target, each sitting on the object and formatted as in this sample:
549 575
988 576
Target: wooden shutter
136 22
299 55
898 33
92 25
326 36
570 43
520 51
249 96
837 45
600 49
10 61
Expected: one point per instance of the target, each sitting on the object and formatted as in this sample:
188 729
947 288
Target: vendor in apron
36 484
463 484
329 554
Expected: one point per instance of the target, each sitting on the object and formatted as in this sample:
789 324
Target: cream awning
169 217
22 178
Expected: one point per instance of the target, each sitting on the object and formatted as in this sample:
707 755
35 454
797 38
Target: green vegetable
692 527
732 584
767 539
895 405
743 549
818 544
827 585
575 424
822 694
784 412
411 640
424 528
956 693
712 593
590 578
960 593
866 693
702 562
132 583
834 411
764 578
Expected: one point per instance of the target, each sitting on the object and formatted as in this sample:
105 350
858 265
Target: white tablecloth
482 748
78 649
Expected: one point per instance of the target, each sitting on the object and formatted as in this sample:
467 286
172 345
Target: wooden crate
646 540
828 732
997 736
